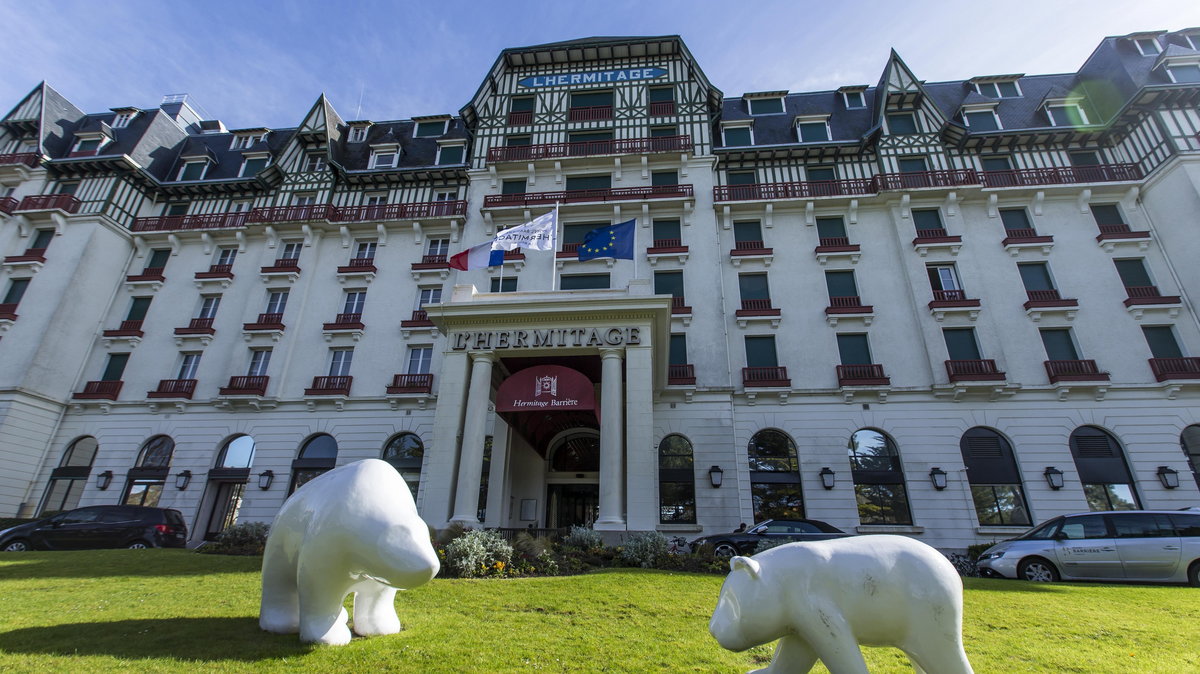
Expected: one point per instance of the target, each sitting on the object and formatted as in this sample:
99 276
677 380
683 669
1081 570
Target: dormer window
314 162
358 134
1066 114
737 134
1192 40
902 123
981 119
430 129
451 154
813 129
384 156
854 100
245 141
252 164
999 89
193 170
1184 73
1147 46
766 106
123 119
85 145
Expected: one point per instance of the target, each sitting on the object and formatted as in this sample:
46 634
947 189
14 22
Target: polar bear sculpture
353 529
822 599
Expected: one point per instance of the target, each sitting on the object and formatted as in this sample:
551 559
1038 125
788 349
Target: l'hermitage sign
543 339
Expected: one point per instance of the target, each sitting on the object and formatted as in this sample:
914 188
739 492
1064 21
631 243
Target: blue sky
252 63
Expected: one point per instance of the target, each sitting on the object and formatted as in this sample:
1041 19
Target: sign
546 388
487 340
594 77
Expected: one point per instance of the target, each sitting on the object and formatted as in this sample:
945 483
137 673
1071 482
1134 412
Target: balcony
32 257
953 301
683 375
218 273
662 108
411 383
751 250
520 117
761 377
345 322
149 274
1111 236
590 148
667 248
307 213
174 388
1166 369
7 205
198 326
1074 370
590 113
923 179
253 385
1062 175
862 375
126 329
48 202
100 390
8 312
358 265
439 263
973 370
171 223
1147 298
268 321
1045 299
795 190
329 386
757 310
409 211
585 196
848 307
1016 240
833 247
420 319
27 159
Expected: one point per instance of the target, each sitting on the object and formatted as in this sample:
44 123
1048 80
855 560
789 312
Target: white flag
537 234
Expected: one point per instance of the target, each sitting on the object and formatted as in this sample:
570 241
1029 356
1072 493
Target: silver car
1138 545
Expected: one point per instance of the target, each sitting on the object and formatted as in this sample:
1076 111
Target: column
470 464
441 450
612 443
641 461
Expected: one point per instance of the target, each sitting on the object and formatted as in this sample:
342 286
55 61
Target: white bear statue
353 529
822 599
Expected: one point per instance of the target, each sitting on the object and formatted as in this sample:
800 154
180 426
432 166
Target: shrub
973 551
247 538
531 546
582 538
478 553
645 549
450 533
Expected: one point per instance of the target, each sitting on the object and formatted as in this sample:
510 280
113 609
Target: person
740 529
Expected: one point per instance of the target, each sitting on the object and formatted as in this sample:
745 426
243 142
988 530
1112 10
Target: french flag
477 257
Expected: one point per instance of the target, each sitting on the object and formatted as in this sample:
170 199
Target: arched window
145 481
1107 483
878 479
238 452
676 481
579 453
68 481
994 478
317 455
774 476
1189 440
405 452
227 483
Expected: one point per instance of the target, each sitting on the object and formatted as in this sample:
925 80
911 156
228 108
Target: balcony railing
795 190
1074 370
411 383
346 322
283 264
1062 175
432 262
100 390
590 113
268 321
765 376
681 375
421 209
750 248
30 255
1027 235
919 179
253 385
49 202
148 274
420 319
849 304
166 223
662 108
679 306
934 234
30 159
1048 298
173 388
588 148
520 117
358 265
197 326
1148 295
949 296
568 250
862 375
126 329
582 196
293 213
666 246
325 386
216 271
973 370
1175 368
8 205
760 307
8 311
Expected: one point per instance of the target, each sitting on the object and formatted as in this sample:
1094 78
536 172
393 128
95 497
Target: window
175 209
902 123
575 232
314 162
961 343
996 163
252 165
277 301
438 247
516 186
1107 215
430 129
291 250
943 277
122 119
259 360
226 256
358 134
67 187
154 461
676 481
1015 219
592 99
754 287
524 140
158 258
87 145
1184 73
659 178
355 299
138 308
1059 344
1147 46
451 154
1107 484
854 99
364 249
765 106
376 198
813 132
663 131
912 165
156 453
981 120
1133 273
1192 40
841 286
427 296
853 349
383 159
820 173
928 221
994 478
747 234
1002 89
193 170
878 479
741 178
318 455
588 136
666 233
405 452
504 285
760 351
188 365
1068 114
69 479
774 476
209 306
1189 442
668 283
1162 342
589 182
1036 276
16 290
832 228
677 352
662 94
236 455
1084 158
736 136
115 367
584 282
419 359
339 362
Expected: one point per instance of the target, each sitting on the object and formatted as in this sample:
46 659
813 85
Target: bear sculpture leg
374 609
793 654
280 612
322 617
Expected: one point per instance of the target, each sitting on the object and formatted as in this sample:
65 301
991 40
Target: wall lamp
265 479
103 480
716 475
1054 477
828 477
938 477
182 480
1168 476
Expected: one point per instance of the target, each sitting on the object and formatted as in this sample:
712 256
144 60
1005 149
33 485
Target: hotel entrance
573 480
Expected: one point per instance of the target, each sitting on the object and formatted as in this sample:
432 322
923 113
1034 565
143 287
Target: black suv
106 526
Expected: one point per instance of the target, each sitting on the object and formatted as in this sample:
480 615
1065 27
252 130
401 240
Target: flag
477 257
612 241
537 234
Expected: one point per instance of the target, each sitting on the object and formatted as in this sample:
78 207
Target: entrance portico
527 368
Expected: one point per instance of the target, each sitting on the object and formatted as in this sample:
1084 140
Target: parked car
105 526
744 542
1140 545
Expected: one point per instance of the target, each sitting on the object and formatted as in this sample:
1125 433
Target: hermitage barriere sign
541 339
595 77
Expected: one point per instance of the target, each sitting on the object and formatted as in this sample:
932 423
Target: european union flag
613 241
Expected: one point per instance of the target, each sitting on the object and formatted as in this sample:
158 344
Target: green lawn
167 610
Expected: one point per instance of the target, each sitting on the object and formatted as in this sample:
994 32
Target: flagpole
554 251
